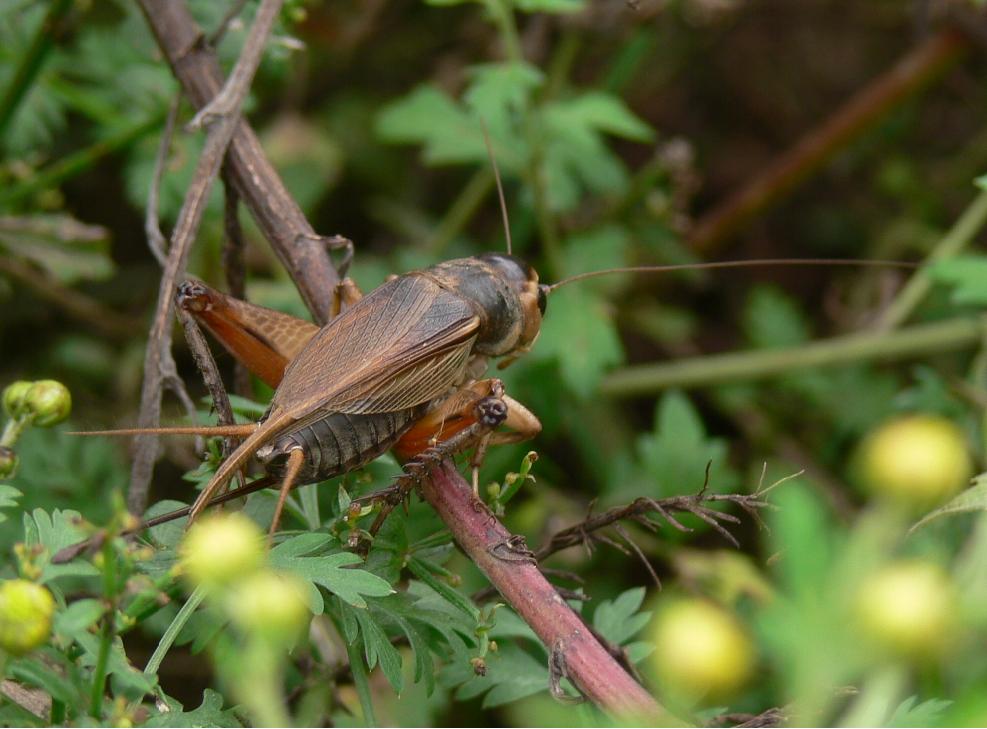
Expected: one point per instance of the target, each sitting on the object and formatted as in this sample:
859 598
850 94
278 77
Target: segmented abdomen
340 442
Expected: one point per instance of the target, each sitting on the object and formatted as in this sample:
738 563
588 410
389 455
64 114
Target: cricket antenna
863 263
500 187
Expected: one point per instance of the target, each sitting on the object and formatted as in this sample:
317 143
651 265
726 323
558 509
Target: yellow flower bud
48 402
220 549
916 460
700 650
26 609
13 397
269 606
907 608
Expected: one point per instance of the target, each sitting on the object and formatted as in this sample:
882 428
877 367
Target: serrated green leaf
618 620
912 713
429 117
328 571
210 713
378 649
579 333
973 499
79 617
54 532
677 452
118 665
8 498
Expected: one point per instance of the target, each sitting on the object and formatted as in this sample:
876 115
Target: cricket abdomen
340 442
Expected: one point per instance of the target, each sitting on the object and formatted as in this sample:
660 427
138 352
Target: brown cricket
399 368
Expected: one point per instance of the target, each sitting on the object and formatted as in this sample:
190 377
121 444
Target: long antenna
866 263
500 187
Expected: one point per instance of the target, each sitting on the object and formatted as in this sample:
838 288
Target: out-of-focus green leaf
579 334
550 6
965 275
676 453
429 117
78 617
772 319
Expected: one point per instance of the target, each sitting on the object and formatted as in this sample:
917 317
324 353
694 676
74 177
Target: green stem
936 337
958 238
42 43
462 210
79 162
12 431
361 681
309 496
168 639
109 630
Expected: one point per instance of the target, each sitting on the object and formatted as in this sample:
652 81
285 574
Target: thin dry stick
152 222
159 338
303 253
210 374
919 67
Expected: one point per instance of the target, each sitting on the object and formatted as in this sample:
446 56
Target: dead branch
157 358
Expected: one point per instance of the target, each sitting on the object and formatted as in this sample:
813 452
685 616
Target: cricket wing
405 343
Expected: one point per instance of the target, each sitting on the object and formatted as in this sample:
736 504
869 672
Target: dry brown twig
158 362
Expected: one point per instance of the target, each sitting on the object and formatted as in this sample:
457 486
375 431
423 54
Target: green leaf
170 533
54 532
966 275
210 713
511 674
329 571
378 649
549 6
429 117
579 333
618 620
79 617
118 664
677 452
603 112
912 713
773 319
33 672
973 499
8 498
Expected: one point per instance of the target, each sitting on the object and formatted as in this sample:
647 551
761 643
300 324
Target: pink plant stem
588 665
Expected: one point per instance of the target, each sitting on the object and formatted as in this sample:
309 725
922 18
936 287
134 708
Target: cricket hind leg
293 468
466 419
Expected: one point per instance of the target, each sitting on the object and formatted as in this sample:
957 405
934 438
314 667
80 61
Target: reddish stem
916 69
589 666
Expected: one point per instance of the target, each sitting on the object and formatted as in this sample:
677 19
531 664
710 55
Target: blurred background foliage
619 127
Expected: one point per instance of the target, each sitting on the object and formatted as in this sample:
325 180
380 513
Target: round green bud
269 606
26 609
8 462
700 650
220 549
907 608
918 461
48 402
13 398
